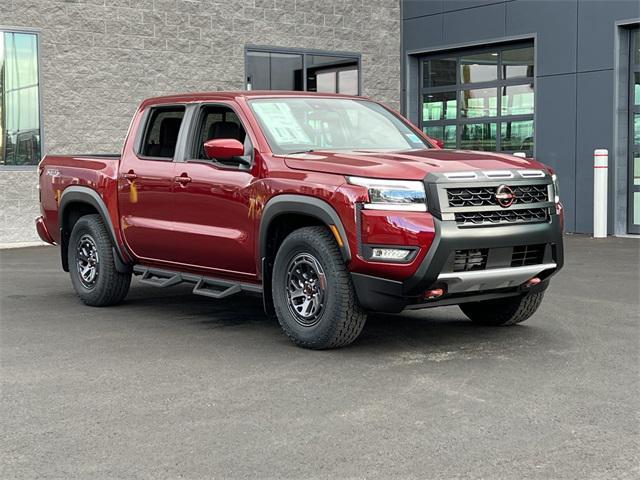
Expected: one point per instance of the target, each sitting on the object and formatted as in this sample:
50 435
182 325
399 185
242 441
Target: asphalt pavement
172 385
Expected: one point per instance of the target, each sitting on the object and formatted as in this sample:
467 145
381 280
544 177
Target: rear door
214 198
146 183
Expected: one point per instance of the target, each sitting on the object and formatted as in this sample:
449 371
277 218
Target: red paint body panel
210 224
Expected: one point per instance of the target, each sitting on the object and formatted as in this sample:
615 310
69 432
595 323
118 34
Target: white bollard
600 169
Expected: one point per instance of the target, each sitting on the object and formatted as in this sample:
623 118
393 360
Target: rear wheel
91 265
504 311
313 295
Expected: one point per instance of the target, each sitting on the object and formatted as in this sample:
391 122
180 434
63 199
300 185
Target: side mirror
223 148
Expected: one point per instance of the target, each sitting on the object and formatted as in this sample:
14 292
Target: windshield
303 124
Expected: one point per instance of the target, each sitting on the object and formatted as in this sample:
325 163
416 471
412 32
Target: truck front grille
486 196
497 217
524 255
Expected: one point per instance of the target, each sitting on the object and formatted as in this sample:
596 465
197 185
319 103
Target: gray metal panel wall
574 74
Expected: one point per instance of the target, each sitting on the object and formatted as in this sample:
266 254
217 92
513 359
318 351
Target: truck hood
411 165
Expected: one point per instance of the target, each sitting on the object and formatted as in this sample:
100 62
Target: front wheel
91 265
313 295
503 311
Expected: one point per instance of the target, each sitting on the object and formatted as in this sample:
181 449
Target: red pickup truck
328 206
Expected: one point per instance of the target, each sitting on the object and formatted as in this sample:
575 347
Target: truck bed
57 173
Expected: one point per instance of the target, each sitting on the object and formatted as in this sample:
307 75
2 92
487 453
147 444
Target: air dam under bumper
384 295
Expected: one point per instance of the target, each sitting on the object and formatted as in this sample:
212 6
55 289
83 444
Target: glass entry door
634 134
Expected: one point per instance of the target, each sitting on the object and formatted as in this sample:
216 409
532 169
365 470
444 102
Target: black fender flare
80 194
305 205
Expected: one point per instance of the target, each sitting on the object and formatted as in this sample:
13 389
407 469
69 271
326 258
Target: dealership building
554 79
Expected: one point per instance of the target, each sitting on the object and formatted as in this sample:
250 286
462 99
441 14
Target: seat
224 130
169 129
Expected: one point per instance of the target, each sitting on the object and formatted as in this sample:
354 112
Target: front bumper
498 279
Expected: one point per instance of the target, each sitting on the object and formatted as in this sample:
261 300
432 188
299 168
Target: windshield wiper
311 150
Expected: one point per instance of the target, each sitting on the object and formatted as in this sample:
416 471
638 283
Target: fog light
389 254
435 293
532 282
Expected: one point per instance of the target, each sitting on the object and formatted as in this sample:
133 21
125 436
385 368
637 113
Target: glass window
517 99
478 136
19 99
517 63
636 48
289 71
482 67
437 73
482 102
517 136
348 81
636 128
161 134
446 133
636 87
274 71
490 105
439 106
636 168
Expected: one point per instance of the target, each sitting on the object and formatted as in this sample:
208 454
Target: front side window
308 124
481 100
20 129
161 132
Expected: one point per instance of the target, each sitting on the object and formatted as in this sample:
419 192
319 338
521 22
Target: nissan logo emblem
505 196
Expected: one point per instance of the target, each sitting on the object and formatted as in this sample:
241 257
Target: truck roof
213 96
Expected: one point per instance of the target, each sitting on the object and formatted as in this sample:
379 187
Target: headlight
393 194
556 188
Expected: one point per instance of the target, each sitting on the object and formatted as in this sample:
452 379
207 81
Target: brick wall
100 58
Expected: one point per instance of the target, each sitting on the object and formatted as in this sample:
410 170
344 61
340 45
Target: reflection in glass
482 67
274 71
636 208
636 168
439 106
482 102
637 48
517 136
636 88
437 73
636 128
326 82
20 101
517 63
517 100
478 136
446 133
348 81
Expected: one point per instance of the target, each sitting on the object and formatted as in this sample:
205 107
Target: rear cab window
161 132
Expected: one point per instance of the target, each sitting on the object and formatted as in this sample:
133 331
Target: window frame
37 33
145 122
194 128
459 87
304 52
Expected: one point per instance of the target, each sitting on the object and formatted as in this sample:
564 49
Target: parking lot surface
171 385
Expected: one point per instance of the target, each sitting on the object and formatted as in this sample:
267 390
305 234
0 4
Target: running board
207 286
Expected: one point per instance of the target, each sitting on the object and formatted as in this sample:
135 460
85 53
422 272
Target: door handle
130 175
182 179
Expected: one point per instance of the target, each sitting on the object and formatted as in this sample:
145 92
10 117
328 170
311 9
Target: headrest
224 130
169 129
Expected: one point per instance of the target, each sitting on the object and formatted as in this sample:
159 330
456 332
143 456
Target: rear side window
161 132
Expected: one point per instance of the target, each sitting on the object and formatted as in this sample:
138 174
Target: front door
146 183
215 225
634 134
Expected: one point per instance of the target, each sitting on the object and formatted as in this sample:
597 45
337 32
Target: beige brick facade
100 58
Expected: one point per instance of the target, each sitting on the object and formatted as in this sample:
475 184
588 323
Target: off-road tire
504 311
111 286
342 318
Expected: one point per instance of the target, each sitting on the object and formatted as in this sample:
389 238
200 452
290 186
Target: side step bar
207 286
